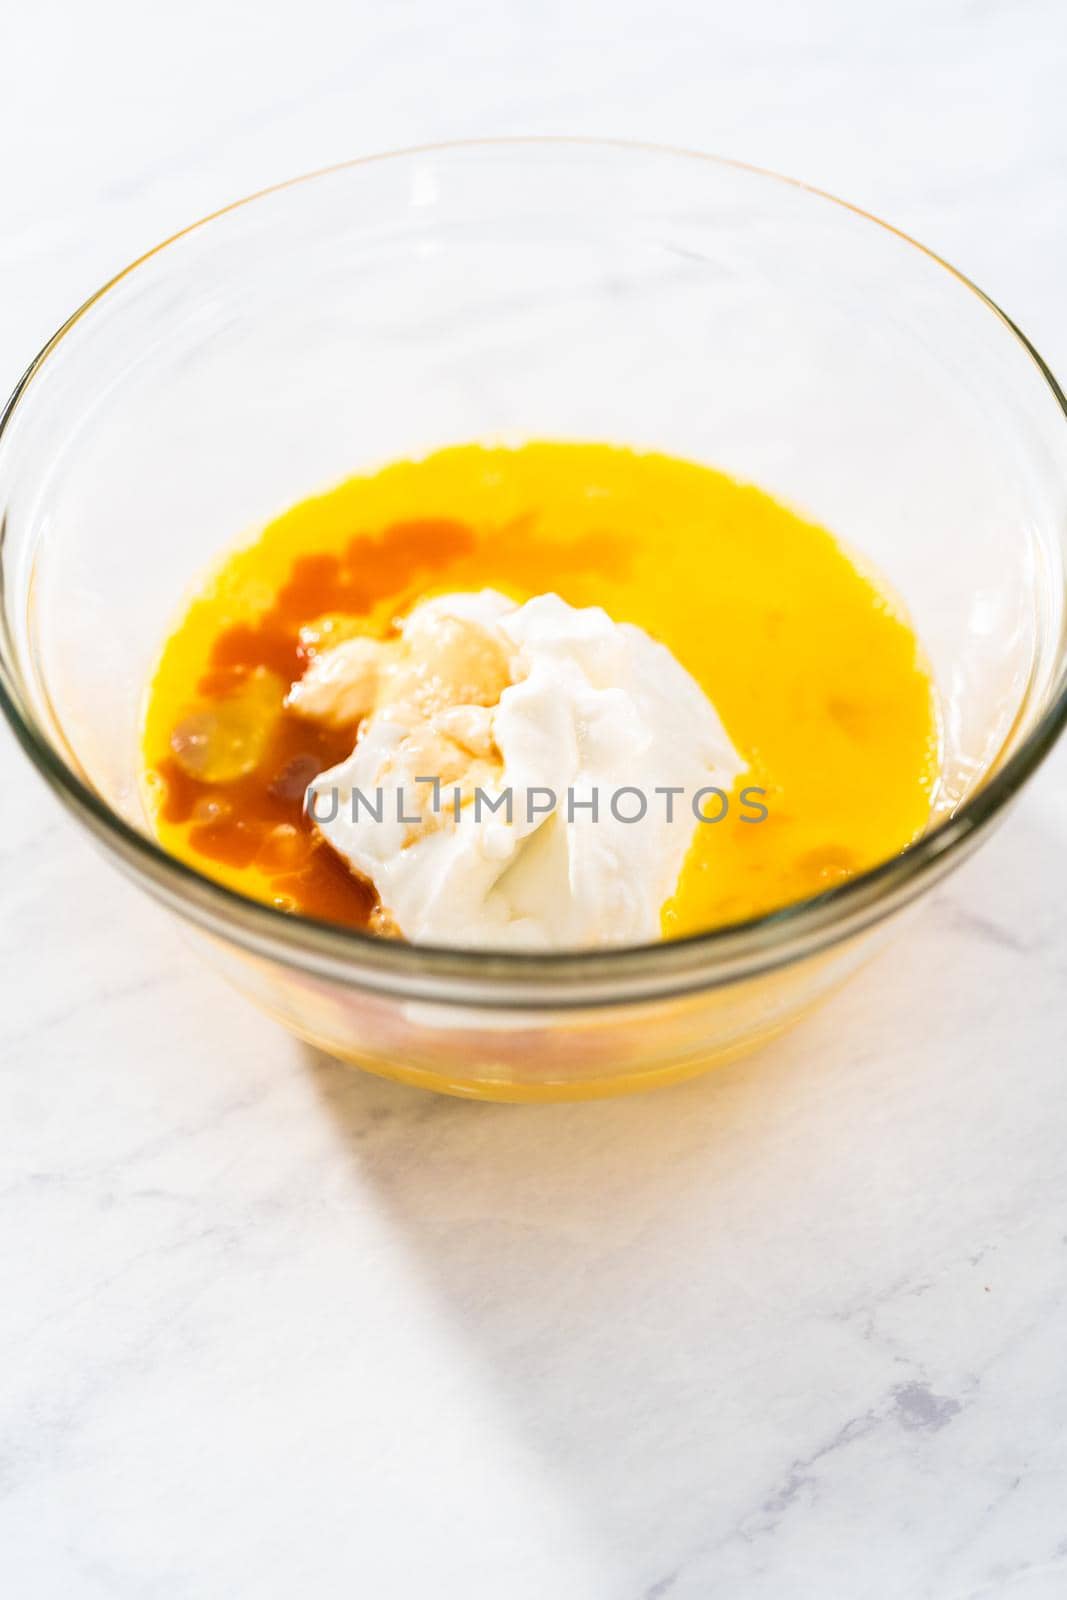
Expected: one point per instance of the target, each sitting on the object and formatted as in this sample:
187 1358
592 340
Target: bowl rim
524 979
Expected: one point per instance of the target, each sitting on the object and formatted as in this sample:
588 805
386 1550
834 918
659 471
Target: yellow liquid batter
813 668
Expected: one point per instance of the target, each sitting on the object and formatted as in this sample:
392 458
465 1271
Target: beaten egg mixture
809 664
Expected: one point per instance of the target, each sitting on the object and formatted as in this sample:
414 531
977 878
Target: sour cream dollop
471 721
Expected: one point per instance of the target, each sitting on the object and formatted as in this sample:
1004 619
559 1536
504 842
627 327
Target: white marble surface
269 1328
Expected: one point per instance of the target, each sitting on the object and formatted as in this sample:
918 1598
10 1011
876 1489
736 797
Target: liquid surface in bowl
813 668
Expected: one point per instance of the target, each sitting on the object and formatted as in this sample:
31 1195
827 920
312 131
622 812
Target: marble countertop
271 1328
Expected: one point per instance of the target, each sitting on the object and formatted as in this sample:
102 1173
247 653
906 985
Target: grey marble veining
269 1327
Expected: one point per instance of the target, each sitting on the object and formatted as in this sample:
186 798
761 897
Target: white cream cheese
515 706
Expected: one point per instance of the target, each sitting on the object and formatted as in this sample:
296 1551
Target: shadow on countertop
677 1295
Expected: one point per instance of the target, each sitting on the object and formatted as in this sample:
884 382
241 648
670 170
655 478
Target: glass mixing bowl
500 292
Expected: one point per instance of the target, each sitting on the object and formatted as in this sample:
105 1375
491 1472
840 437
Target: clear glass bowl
500 292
